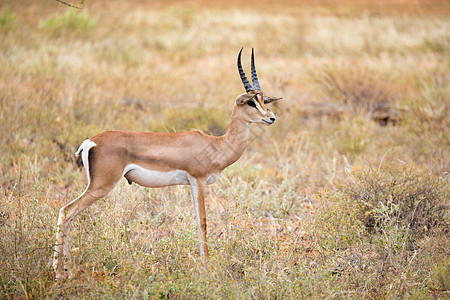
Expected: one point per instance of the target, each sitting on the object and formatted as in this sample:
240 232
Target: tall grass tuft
359 89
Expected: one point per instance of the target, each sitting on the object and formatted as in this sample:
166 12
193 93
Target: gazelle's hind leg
66 215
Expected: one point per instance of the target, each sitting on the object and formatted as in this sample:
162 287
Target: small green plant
349 141
70 22
7 20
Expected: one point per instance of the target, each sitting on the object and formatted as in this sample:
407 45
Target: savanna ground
346 196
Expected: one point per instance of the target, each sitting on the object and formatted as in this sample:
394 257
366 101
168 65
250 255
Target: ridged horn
254 75
248 87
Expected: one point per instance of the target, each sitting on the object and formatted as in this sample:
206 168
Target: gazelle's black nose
273 120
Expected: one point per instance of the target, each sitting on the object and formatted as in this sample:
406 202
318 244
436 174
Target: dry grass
287 220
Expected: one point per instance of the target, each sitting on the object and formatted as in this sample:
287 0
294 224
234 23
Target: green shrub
428 107
385 230
403 197
70 22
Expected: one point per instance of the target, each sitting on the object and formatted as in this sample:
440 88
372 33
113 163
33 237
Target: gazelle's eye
251 103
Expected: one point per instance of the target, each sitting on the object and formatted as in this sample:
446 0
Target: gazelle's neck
235 140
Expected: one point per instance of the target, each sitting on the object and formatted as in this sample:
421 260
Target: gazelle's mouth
267 122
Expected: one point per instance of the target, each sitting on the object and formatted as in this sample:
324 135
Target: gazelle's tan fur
161 159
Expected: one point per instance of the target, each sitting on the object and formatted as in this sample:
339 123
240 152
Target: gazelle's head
252 104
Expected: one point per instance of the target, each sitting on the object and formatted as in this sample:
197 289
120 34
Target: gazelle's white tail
84 151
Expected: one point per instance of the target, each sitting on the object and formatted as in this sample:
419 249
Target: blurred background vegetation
345 196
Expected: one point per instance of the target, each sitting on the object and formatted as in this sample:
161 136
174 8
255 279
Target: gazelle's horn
248 87
254 75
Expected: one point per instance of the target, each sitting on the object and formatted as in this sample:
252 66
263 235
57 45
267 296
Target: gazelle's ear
242 99
268 100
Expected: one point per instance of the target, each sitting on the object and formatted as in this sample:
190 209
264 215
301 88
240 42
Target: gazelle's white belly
151 178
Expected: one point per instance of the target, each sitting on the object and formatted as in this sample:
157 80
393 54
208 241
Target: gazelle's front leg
198 195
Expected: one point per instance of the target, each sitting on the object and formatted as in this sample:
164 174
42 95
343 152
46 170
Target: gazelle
164 159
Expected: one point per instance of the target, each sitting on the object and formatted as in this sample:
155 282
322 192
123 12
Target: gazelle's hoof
56 268
61 272
66 274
